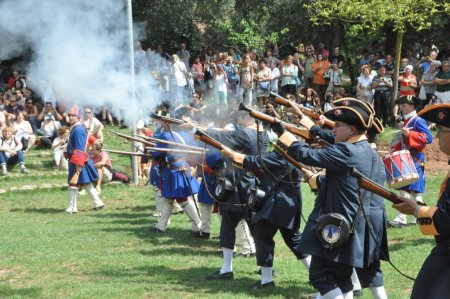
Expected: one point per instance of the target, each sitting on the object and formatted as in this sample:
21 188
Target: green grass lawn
45 253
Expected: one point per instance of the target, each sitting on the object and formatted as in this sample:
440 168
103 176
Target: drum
400 169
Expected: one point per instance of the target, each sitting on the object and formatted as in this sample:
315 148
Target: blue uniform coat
77 140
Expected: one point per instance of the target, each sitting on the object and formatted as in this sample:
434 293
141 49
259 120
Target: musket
170 150
126 153
291 160
172 143
133 138
307 111
374 187
167 119
208 139
289 127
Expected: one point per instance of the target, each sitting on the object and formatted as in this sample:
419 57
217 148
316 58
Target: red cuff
417 140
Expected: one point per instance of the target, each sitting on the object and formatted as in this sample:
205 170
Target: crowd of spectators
311 75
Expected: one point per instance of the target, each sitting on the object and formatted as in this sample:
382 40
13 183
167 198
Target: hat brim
350 115
438 114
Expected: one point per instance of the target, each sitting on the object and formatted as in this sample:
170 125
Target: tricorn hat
409 100
376 128
351 111
438 114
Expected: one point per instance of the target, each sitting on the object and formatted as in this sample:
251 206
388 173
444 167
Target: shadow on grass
402 244
193 280
6 291
39 211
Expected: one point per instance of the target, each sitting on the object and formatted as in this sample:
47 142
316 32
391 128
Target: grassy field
45 253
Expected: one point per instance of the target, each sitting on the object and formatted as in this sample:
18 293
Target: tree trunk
398 52
348 59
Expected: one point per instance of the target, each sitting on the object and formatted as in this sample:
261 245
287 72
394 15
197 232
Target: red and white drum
400 169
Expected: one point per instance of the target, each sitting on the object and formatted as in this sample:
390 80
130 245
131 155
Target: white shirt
93 125
178 70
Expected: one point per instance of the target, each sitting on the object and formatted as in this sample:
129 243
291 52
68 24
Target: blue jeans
12 160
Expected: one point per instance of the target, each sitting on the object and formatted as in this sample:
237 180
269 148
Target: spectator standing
336 57
59 146
289 71
309 61
179 71
382 84
263 79
363 88
390 66
427 84
11 152
320 70
49 109
274 75
365 58
408 82
442 81
246 76
335 74
322 51
184 55
198 73
426 61
220 87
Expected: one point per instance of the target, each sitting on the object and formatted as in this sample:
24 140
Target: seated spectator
48 108
93 125
31 113
49 130
59 146
103 165
11 152
23 130
13 108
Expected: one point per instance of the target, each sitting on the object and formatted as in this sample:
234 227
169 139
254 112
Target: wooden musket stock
307 111
133 138
126 153
171 143
208 139
289 127
166 119
374 187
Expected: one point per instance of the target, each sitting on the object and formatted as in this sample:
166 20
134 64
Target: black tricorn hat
409 100
376 128
438 114
351 111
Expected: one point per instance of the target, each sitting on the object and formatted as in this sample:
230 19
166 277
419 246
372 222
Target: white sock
266 275
355 281
306 262
4 166
227 260
22 166
379 292
348 295
333 294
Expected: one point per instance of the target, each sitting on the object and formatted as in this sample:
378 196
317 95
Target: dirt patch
435 160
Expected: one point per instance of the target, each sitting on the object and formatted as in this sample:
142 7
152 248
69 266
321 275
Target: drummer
414 135
434 276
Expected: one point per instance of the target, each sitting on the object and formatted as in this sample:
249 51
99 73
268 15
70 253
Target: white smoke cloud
80 48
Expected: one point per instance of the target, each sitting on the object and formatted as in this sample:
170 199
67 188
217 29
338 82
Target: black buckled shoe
259 286
217 276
